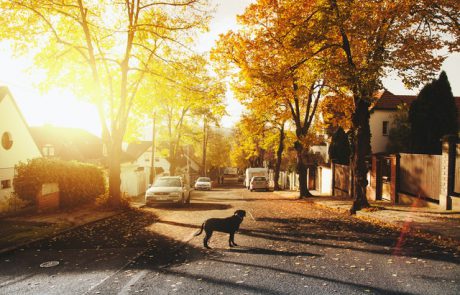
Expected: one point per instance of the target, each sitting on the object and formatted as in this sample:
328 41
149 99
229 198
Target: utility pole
188 164
205 143
152 167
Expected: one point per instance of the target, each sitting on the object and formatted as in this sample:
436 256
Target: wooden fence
420 175
341 177
457 170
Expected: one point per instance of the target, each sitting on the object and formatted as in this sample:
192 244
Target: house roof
69 143
4 91
389 101
136 149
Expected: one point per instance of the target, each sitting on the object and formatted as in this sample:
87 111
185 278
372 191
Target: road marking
117 271
126 288
251 215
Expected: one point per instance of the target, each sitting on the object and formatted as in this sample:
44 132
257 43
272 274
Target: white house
136 166
382 114
17 142
381 118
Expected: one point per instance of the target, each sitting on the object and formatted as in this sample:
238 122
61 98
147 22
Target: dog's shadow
263 251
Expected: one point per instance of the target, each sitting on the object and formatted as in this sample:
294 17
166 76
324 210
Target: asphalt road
286 246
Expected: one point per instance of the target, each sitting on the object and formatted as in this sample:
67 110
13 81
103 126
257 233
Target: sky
62 108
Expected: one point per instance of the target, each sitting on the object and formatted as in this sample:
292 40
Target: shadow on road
344 233
264 251
194 207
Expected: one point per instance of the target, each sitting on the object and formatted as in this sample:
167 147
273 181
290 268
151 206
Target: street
286 246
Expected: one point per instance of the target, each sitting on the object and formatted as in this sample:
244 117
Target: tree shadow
337 231
153 251
264 251
193 206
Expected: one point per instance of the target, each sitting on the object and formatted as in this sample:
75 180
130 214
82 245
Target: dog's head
240 213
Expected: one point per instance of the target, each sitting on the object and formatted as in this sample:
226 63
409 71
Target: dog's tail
200 231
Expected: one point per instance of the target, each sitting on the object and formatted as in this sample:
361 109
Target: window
5 184
385 128
48 150
7 140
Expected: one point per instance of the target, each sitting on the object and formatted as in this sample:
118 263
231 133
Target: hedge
79 183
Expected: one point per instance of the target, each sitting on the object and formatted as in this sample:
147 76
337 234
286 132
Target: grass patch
14 233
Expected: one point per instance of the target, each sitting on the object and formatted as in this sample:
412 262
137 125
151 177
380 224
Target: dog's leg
206 239
231 240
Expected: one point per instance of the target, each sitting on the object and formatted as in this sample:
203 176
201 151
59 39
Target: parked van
250 172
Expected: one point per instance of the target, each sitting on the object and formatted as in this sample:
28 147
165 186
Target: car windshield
167 182
259 178
204 179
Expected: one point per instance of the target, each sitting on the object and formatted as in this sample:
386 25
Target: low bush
79 183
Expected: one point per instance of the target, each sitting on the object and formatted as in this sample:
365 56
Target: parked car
203 183
168 189
258 182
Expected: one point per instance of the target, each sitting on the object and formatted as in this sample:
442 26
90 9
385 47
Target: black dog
226 225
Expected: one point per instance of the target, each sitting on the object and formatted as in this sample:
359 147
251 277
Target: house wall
23 147
379 141
145 160
322 150
133 181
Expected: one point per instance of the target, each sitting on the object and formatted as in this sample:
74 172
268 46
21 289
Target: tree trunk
302 170
361 149
279 154
172 167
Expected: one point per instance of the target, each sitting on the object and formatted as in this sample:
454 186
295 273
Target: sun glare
56 107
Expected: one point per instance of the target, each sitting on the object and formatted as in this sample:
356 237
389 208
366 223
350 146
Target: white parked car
203 183
258 182
168 189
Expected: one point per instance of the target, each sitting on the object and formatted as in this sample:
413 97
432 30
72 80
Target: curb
59 232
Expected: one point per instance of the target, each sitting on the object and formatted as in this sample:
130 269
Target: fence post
374 179
333 178
447 171
394 185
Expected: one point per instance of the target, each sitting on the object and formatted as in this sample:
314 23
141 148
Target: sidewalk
16 232
441 224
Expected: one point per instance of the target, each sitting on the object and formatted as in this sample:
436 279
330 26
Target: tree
102 51
264 54
433 115
339 150
267 111
365 39
191 93
399 135
218 155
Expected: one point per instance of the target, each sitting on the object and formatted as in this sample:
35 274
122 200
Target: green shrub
79 183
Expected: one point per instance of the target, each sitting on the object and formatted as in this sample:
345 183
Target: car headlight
175 194
149 194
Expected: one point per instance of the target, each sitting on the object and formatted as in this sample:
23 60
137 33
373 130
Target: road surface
286 246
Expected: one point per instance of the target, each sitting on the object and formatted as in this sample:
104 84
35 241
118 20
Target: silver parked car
203 183
168 189
258 182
